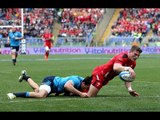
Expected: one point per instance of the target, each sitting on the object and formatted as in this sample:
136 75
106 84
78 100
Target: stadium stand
134 24
78 25
108 29
84 26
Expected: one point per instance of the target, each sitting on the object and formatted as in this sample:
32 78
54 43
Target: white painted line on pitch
84 58
55 59
2 72
38 100
69 99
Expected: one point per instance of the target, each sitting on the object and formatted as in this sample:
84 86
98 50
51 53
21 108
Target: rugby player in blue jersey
14 38
70 85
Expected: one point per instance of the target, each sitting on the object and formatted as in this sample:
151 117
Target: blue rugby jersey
59 82
12 36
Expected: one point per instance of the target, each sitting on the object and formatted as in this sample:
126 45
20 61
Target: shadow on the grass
114 95
98 96
61 95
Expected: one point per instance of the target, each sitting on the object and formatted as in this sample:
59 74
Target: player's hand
134 93
132 72
84 95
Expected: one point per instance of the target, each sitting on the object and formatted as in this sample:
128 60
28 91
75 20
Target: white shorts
13 50
47 48
45 87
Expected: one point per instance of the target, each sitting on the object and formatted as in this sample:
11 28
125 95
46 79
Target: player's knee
36 90
91 95
41 95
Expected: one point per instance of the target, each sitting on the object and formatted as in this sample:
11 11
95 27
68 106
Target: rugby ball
126 76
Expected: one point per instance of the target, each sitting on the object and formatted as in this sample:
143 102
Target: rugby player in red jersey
48 42
125 61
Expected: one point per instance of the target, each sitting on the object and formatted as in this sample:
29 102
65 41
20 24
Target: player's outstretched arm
119 68
69 87
130 90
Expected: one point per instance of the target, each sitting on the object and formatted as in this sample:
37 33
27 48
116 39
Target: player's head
86 83
47 30
13 29
134 52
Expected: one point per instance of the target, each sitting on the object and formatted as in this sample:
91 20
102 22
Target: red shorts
98 78
48 45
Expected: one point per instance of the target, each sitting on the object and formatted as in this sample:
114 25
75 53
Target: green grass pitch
113 97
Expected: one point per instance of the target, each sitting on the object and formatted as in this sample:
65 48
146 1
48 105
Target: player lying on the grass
125 61
70 85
